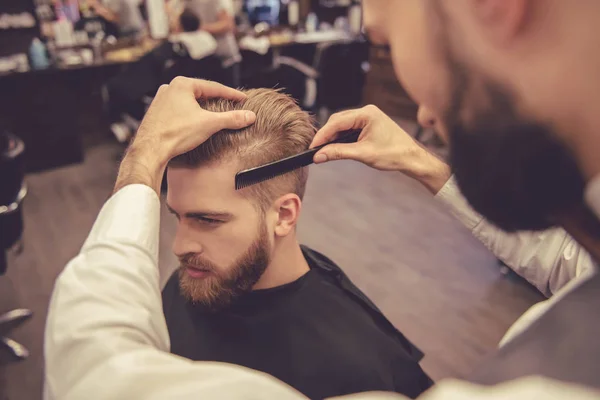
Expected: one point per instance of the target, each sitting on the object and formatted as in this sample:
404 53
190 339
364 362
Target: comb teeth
277 168
253 176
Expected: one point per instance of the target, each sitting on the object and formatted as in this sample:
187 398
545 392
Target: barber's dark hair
189 21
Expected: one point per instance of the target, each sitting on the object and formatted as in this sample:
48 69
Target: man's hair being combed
281 129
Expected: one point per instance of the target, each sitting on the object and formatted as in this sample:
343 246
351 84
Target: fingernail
249 116
319 158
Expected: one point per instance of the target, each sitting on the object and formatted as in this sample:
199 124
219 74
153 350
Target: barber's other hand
382 145
174 124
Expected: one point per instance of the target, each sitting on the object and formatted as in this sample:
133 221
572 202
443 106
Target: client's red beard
224 285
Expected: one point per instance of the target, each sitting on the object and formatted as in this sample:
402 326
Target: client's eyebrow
202 214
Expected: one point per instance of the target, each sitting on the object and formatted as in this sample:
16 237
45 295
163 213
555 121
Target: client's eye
209 221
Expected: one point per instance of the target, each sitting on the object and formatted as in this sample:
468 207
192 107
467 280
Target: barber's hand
382 145
174 124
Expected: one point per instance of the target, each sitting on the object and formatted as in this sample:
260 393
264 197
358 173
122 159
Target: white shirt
198 44
208 12
106 336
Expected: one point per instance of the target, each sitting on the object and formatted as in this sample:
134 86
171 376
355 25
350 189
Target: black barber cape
319 334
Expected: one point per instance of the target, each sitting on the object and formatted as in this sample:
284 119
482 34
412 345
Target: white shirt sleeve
106 336
198 44
548 260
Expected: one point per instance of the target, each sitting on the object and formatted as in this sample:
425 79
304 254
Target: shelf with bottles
17 15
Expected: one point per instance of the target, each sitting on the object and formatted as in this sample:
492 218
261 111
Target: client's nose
184 242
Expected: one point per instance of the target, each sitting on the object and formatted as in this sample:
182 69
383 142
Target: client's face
222 240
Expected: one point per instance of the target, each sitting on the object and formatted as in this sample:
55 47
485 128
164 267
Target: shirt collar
592 195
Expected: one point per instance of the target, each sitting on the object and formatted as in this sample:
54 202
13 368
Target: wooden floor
434 281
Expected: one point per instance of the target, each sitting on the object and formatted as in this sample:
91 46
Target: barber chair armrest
307 70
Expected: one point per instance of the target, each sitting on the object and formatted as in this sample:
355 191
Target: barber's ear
288 209
502 19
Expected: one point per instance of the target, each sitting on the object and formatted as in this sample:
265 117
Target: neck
287 264
584 227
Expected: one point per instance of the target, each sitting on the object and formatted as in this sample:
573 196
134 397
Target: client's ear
288 208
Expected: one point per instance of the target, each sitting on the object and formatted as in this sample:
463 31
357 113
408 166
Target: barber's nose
184 242
426 118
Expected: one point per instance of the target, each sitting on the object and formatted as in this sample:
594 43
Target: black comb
276 168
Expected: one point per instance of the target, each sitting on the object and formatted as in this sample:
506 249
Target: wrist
430 171
141 168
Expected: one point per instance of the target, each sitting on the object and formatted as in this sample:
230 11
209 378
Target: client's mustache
194 260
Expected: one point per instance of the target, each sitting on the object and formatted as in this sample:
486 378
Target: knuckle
334 154
370 108
178 81
363 119
334 117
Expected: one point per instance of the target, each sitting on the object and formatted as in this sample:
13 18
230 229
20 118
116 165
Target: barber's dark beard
513 170
225 285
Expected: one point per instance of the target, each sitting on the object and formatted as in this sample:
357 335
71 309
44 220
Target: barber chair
12 193
333 82
342 72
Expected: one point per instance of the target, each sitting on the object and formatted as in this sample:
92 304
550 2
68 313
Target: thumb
338 151
217 121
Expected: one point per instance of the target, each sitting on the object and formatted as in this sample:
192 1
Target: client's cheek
223 252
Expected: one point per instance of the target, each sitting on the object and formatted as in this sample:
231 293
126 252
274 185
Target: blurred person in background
128 92
218 19
186 30
125 14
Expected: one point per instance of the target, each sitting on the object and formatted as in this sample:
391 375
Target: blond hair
281 129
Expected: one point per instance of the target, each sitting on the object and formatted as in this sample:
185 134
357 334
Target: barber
124 14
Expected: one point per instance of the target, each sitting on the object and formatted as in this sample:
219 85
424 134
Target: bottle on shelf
355 17
37 55
293 13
